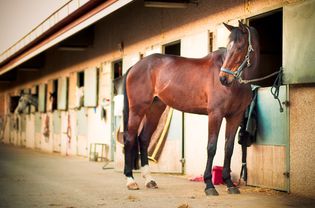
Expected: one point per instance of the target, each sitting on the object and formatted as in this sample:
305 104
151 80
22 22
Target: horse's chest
228 102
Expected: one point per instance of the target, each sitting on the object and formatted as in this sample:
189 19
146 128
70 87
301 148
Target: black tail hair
126 102
135 150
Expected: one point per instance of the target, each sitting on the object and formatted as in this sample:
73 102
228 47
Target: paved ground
30 178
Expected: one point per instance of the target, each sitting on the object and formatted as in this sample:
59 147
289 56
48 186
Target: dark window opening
14 102
117 65
269 28
80 79
210 41
172 48
55 95
80 88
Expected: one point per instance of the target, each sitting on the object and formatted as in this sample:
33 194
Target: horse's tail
126 103
135 150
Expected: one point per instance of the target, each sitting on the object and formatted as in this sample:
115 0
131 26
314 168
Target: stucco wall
302 140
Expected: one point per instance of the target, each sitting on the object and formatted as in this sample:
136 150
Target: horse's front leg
213 132
232 125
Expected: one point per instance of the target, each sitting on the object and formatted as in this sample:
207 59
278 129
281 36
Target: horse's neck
34 101
216 58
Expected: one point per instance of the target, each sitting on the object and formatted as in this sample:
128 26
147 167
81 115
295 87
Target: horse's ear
242 26
229 27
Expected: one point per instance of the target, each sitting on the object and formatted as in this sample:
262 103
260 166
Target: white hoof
146 174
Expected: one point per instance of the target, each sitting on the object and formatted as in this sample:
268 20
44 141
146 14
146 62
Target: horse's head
24 101
242 51
21 105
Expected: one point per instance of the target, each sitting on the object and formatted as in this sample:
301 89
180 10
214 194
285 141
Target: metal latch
287 174
286 103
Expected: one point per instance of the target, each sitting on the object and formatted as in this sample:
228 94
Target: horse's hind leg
130 146
231 127
150 124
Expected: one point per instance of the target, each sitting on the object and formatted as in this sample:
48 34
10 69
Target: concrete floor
29 178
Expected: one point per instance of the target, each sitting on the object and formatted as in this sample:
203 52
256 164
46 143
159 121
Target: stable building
70 62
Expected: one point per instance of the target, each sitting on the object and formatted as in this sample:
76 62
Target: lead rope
276 88
248 81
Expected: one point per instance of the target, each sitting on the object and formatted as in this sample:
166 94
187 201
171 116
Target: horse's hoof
211 192
133 186
151 185
233 190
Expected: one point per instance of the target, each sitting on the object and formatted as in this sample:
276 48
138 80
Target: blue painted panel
272 125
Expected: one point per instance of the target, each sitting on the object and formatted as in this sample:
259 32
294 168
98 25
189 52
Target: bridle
237 74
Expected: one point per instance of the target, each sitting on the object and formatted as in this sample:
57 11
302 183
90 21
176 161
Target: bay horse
207 86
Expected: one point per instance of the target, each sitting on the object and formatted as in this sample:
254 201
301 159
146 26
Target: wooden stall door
81 132
196 126
298 38
38 128
90 87
105 100
268 159
56 131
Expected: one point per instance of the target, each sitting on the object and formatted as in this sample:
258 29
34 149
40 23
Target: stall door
56 131
62 93
90 87
105 100
42 98
81 132
268 159
298 43
38 127
196 126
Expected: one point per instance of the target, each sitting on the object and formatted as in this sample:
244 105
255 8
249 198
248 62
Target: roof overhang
72 24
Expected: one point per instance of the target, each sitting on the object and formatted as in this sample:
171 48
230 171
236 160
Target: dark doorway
172 48
269 27
55 94
117 66
80 82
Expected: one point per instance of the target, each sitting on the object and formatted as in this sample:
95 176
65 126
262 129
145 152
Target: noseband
237 74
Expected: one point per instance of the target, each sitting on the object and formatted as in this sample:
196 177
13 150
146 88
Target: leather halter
237 74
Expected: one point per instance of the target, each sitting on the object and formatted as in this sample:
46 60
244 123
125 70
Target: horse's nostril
223 80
